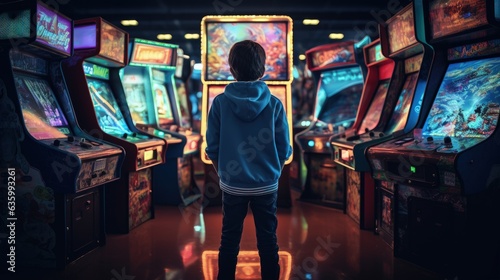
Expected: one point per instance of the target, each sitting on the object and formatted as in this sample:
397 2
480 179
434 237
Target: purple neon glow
85 36
53 30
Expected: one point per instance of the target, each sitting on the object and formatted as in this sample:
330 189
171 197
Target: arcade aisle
315 243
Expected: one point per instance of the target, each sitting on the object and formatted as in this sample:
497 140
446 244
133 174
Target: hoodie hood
248 99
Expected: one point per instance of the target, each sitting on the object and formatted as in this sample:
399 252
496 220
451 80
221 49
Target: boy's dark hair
247 60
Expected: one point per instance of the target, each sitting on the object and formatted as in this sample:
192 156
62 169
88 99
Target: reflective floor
315 243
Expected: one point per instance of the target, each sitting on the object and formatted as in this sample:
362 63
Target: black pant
234 210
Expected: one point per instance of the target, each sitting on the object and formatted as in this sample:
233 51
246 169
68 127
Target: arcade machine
94 84
54 172
340 82
446 169
302 117
274 33
399 114
145 82
380 70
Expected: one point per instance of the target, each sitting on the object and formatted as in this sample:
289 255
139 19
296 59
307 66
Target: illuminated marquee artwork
401 31
53 30
149 54
112 43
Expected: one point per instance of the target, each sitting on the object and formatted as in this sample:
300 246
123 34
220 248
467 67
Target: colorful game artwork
452 16
163 107
213 91
338 95
41 112
106 108
401 31
112 43
374 112
182 98
222 35
402 109
353 182
468 101
133 86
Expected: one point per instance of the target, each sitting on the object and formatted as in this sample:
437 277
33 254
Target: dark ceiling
354 18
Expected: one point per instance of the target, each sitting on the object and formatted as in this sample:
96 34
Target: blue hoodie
247 135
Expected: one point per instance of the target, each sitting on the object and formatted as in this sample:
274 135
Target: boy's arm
282 137
213 133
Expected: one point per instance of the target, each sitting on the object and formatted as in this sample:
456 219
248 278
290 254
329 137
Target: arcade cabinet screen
106 108
163 107
402 109
112 43
401 31
330 84
41 112
338 95
222 35
375 110
468 101
182 98
133 86
450 17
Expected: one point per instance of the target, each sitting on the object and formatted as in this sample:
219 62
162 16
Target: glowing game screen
182 98
133 86
331 82
468 101
402 109
452 16
41 112
163 106
374 112
106 108
222 35
401 31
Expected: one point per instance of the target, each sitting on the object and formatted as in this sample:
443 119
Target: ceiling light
164 36
302 57
336 36
192 36
310 21
129 22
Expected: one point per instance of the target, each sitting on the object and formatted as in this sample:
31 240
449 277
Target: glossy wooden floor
315 243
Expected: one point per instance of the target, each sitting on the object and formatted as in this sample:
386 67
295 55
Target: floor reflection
248 267
182 243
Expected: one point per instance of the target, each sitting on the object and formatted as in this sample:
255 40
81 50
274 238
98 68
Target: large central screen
375 110
182 97
42 115
402 109
222 35
468 101
106 108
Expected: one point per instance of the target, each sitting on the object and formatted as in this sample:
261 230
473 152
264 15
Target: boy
248 143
